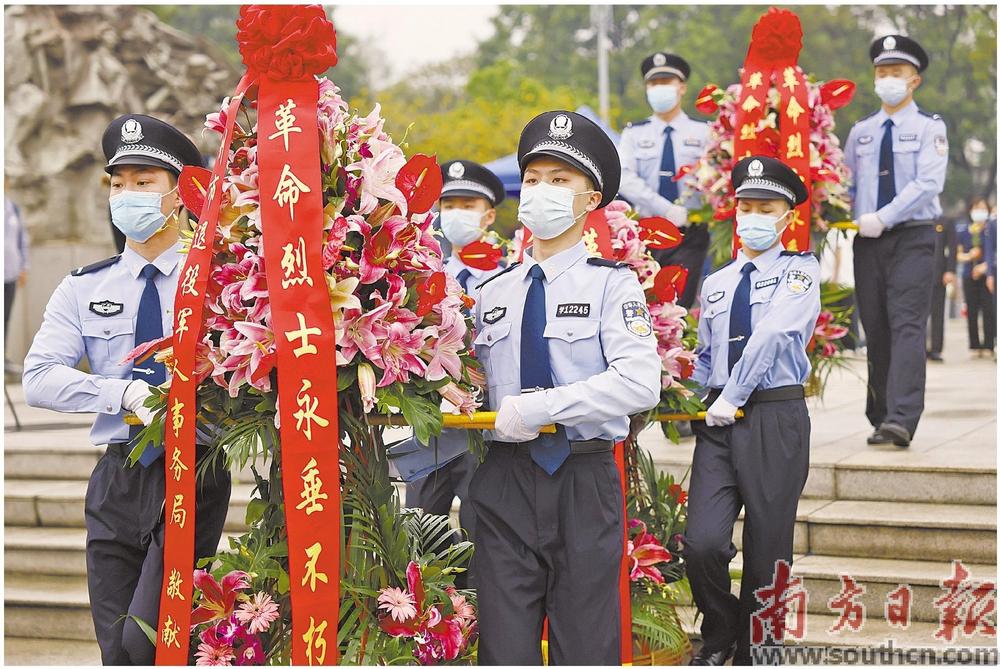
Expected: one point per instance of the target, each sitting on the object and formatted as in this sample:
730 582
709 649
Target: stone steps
50 652
911 477
850 528
43 503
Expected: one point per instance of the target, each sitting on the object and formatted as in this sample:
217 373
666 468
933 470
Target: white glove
676 214
510 425
134 398
870 226
720 414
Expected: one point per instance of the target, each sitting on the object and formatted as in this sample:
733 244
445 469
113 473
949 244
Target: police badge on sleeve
637 320
798 282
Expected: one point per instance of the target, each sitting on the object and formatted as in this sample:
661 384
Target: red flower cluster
776 38
286 42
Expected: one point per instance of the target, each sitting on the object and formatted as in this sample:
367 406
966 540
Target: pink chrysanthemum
398 604
258 612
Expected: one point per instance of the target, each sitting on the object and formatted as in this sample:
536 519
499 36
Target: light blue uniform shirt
601 345
93 315
641 150
454 266
920 161
784 306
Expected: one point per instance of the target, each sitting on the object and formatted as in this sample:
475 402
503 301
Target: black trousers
9 290
979 303
690 254
125 522
435 494
938 299
894 276
760 464
548 546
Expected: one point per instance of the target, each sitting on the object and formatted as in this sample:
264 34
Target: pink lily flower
398 355
217 599
644 551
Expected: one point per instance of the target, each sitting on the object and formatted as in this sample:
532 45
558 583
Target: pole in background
600 16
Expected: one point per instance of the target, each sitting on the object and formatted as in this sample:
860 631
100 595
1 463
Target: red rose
286 41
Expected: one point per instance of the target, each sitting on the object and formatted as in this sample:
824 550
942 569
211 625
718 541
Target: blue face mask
662 98
758 231
137 214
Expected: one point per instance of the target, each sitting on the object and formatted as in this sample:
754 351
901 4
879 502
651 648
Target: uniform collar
558 263
455 263
763 262
165 262
903 114
659 124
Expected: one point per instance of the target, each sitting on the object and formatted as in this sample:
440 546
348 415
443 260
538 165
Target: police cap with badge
577 141
766 178
898 49
464 178
662 64
137 139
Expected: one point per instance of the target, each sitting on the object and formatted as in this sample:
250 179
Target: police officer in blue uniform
758 315
565 339
653 150
898 156
101 312
469 197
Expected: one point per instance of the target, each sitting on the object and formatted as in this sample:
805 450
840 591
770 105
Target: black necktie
148 327
668 187
739 317
549 451
886 171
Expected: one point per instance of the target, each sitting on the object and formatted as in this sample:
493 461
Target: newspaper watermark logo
966 609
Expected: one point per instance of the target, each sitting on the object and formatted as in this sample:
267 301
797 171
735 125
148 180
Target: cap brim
762 194
664 72
464 192
126 159
893 60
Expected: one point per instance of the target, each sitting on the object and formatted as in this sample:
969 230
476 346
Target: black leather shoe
877 439
935 357
705 658
895 433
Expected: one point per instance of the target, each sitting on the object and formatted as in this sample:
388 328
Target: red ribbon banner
291 196
173 629
772 59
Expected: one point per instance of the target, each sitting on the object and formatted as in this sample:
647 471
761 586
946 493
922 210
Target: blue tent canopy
509 172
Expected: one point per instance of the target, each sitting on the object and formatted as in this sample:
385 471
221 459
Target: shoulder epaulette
865 118
93 267
722 267
498 274
601 262
936 117
801 254
631 124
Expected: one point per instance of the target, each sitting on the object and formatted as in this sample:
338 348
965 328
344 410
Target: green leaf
144 626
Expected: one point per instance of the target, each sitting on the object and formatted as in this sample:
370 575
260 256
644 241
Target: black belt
586 446
123 448
778 394
913 224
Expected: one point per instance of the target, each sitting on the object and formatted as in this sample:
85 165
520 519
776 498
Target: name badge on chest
908 138
576 309
645 143
766 282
